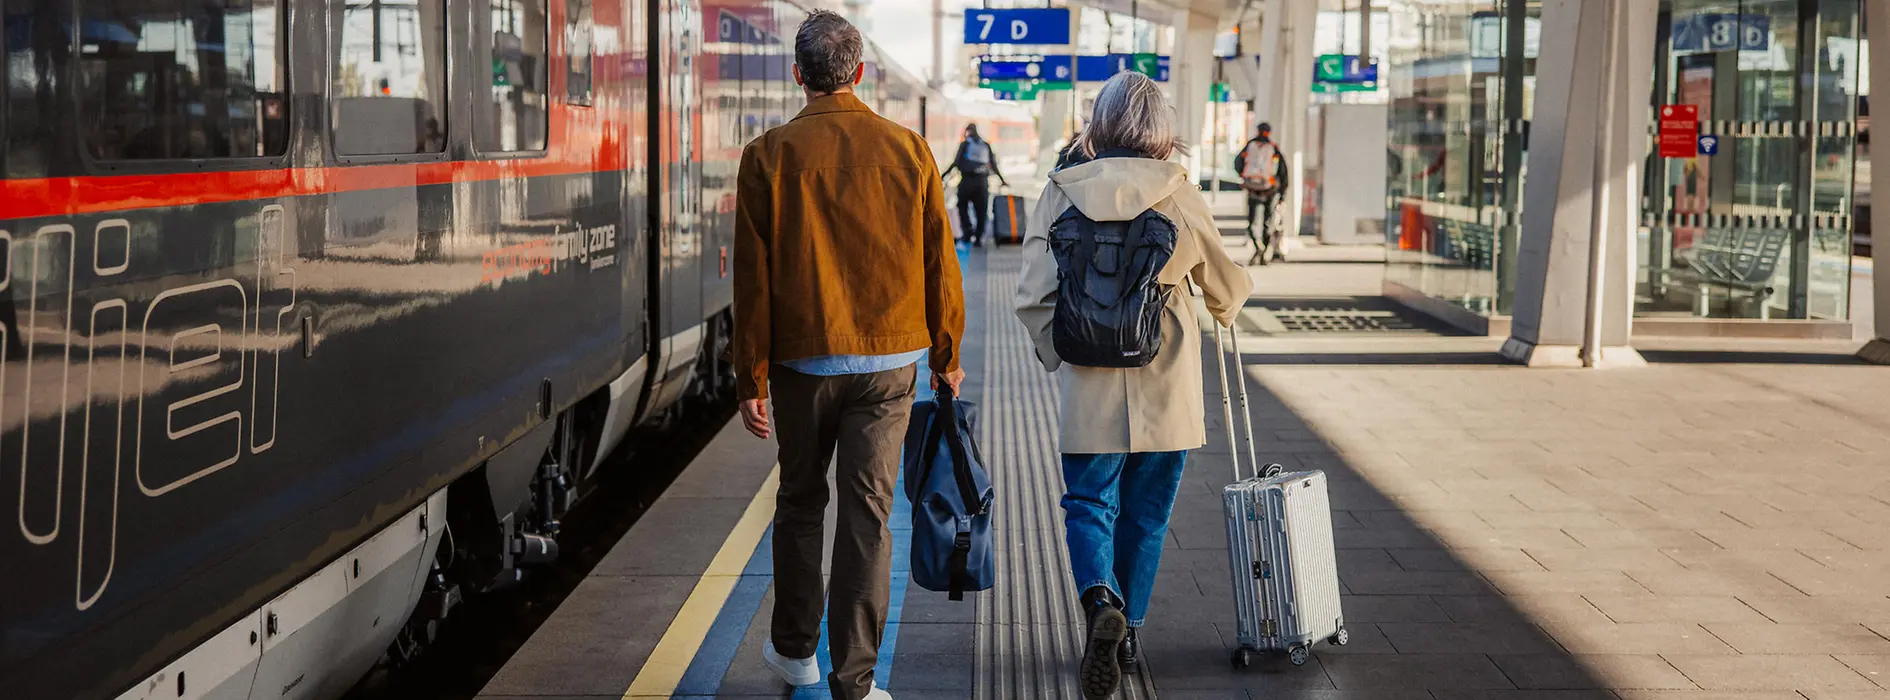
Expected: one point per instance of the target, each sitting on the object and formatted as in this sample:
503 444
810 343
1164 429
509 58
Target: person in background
1125 433
976 162
845 277
1263 175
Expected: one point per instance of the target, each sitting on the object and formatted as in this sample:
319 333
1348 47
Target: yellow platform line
667 664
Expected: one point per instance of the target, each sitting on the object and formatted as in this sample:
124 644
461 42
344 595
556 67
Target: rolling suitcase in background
1007 219
1279 547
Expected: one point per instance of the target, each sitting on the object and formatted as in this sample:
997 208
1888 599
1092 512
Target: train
318 316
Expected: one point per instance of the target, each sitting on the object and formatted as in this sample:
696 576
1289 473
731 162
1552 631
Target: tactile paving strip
1029 634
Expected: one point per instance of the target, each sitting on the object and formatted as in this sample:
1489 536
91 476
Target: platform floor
1712 526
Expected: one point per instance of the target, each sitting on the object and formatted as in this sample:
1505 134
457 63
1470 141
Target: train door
678 225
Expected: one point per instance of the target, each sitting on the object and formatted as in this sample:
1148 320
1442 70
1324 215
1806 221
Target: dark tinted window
512 118
181 79
390 77
578 33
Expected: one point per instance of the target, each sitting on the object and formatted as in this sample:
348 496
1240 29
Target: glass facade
1461 80
1761 229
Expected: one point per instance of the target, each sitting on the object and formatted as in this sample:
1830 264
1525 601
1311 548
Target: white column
1193 73
1554 264
1291 128
1268 55
1878 351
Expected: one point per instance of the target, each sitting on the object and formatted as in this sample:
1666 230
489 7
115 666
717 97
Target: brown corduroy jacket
842 245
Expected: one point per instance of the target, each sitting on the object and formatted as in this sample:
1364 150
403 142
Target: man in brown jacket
845 276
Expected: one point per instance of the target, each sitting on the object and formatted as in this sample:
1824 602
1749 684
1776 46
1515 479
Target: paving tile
1847 694
1772 538
1826 582
1695 609
597 639
1862 535
1467 638
1774 638
1391 608
1712 583
1467 560
1636 638
1548 519
1662 538
1362 638
1527 694
1762 672
1801 609
1706 695
1746 560
1537 610
926 638
1334 695
1552 671
1447 672
1876 667
1581 582
1373 560
1592 559
1414 583
928 671
1534 538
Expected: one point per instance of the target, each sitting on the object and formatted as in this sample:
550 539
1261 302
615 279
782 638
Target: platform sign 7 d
1040 26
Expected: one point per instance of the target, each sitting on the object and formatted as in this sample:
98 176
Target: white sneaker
878 694
797 672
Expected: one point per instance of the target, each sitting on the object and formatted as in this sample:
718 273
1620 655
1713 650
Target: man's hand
953 379
755 416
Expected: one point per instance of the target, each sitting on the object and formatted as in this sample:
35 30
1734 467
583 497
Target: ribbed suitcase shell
1280 550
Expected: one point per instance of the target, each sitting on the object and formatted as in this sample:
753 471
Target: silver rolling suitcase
1279 546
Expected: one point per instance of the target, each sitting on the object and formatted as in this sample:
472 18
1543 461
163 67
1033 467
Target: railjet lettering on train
594 247
197 367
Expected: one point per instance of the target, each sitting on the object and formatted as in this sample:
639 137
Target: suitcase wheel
1341 637
1242 658
1299 654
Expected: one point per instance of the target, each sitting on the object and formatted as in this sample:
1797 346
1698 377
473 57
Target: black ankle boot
1129 655
1099 670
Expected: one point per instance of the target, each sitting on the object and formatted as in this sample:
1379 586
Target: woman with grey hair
1125 431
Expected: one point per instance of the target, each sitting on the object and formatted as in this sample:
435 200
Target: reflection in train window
514 34
390 77
578 33
182 79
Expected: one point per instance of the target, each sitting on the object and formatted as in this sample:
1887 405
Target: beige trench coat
1157 408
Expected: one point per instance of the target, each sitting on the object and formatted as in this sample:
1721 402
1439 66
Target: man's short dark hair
827 48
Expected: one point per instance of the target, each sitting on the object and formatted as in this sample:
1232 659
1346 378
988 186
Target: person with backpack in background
1105 298
976 162
1263 175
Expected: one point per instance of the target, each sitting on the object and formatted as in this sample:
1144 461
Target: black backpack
1109 306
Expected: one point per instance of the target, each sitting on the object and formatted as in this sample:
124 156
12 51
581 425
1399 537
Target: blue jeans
1115 514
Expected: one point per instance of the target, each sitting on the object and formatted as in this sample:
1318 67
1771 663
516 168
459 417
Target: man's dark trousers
974 206
862 418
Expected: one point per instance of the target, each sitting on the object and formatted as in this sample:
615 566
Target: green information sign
1021 90
1219 92
1329 68
1146 63
1325 88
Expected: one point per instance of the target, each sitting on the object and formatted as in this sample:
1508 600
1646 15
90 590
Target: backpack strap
958 565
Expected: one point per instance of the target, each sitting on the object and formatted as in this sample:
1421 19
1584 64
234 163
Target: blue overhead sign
1709 32
1095 69
1054 69
1041 26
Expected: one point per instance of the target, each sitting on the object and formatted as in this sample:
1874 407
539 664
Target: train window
578 38
389 88
513 118
180 79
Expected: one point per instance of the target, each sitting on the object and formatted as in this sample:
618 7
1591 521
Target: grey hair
827 48
1131 113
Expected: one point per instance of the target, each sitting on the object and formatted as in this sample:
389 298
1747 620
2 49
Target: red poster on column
1679 131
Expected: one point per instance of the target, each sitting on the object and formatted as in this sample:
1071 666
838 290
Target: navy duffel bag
951 498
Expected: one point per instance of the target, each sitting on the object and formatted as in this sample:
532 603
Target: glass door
1757 224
